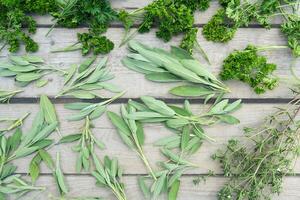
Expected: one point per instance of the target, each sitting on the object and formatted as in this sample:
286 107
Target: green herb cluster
236 13
189 135
27 69
218 29
173 17
97 14
20 145
159 65
14 18
249 67
82 81
256 169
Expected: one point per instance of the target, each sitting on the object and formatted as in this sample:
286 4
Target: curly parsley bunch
14 17
249 67
173 17
218 29
292 30
98 14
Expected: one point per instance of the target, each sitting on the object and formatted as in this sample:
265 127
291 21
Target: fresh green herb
188 126
109 175
189 137
13 123
5 95
96 14
218 29
82 81
18 146
159 65
85 147
256 169
167 179
14 17
172 17
131 132
203 178
235 14
249 67
291 29
91 110
26 69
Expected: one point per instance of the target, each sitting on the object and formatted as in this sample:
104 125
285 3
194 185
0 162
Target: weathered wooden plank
85 186
200 17
249 115
135 83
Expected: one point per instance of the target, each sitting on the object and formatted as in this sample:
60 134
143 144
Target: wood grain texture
135 83
250 115
85 186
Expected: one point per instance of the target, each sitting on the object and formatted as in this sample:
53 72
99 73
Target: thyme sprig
256 169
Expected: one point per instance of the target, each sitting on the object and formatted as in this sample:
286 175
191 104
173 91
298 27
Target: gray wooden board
250 115
128 79
85 186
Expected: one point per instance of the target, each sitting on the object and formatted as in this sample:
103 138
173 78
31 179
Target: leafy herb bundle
256 169
82 81
18 146
96 14
6 95
14 18
12 123
249 67
237 14
85 138
27 69
109 174
189 137
172 17
159 65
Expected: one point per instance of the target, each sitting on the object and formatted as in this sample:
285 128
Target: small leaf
158 106
173 192
229 119
86 63
163 77
77 106
41 83
70 138
119 123
33 59
27 77
47 158
97 112
48 109
190 91
19 60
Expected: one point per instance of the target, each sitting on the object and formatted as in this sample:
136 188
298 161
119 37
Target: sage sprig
167 178
91 110
27 69
12 123
187 126
131 132
18 146
109 174
86 145
177 65
84 80
6 95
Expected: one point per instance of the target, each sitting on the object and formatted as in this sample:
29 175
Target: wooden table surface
254 110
